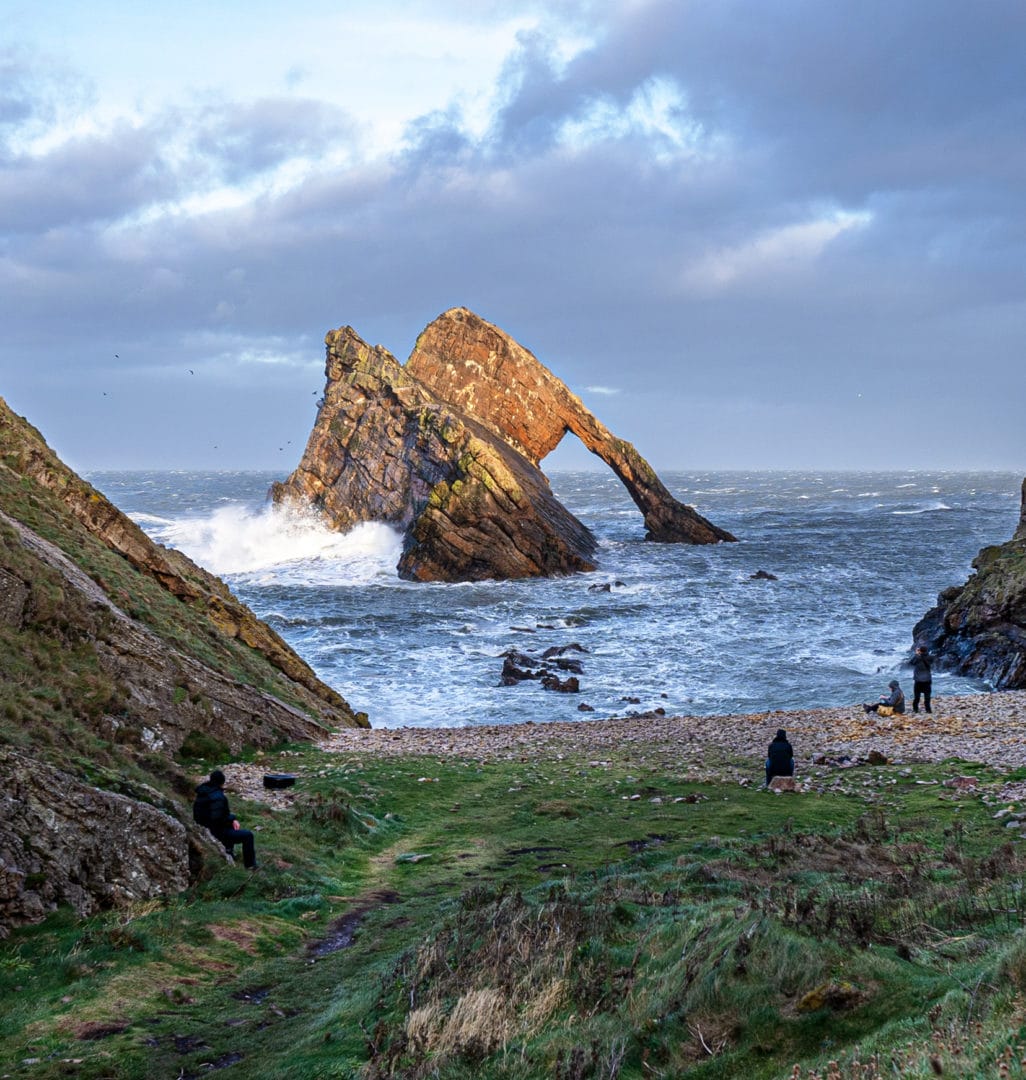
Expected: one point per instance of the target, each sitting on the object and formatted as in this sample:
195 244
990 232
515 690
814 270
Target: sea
858 559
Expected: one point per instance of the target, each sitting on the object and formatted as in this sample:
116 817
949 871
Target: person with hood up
894 702
210 808
780 757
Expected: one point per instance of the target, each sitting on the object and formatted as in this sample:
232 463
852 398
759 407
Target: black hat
781 734
217 778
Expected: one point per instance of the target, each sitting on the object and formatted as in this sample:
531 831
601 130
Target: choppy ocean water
859 558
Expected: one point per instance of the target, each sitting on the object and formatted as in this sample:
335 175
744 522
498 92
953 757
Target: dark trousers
921 689
231 837
778 770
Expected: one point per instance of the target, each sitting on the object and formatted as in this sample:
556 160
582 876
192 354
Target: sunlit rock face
447 449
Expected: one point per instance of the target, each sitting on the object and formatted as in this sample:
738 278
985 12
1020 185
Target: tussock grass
628 941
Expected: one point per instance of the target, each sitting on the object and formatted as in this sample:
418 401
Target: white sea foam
276 543
928 509
689 623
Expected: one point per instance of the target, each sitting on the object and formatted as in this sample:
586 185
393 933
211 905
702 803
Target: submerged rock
979 628
447 449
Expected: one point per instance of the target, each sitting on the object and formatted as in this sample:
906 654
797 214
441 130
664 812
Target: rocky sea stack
120 659
979 628
447 449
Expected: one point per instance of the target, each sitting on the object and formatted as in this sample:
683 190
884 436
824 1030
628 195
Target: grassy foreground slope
544 914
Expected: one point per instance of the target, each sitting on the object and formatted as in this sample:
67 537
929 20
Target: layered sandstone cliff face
117 655
979 628
447 449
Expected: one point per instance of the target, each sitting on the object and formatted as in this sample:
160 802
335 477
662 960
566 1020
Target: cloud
605 391
699 197
246 139
786 249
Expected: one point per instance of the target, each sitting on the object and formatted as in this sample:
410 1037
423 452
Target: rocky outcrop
119 659
65 842
979 629
447 449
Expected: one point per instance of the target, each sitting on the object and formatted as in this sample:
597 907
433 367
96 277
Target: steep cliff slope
447 449
117 655
979 628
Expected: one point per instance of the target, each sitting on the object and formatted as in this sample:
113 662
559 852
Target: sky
749 235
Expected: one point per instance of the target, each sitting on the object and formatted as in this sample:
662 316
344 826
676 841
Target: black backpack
201 808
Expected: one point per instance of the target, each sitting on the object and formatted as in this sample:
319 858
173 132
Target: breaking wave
928 509
280 544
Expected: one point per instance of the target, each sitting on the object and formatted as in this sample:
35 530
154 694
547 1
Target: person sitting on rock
780 757
894 702
210 808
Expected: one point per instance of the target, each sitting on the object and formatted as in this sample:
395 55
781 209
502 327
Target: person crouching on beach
780 758
894 702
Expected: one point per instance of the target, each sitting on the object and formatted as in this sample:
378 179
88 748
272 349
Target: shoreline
989 728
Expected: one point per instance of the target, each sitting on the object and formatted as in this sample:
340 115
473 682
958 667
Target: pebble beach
986 728
830 746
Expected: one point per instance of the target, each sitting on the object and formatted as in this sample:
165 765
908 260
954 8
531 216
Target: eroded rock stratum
447 449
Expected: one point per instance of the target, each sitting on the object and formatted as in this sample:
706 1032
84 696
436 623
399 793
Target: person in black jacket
211 808
922 678
780 758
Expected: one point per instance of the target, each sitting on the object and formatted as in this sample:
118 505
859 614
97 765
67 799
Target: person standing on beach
779 758
922 676
210 808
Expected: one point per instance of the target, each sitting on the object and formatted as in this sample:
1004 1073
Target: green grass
531 919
